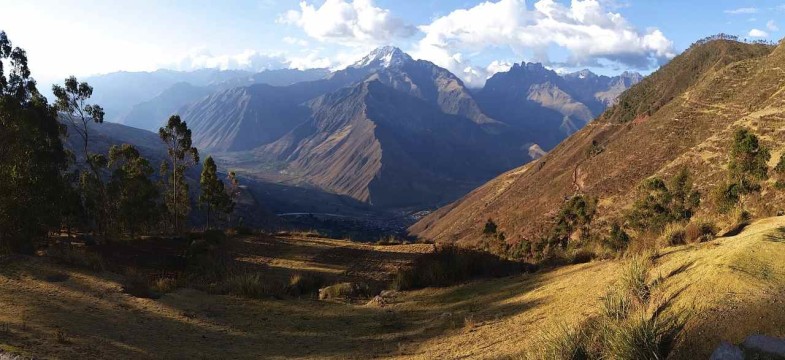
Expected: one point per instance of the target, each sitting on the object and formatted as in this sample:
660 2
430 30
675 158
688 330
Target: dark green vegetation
32 159
104 196
451 265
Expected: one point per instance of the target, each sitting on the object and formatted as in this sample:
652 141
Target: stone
727 351
765 344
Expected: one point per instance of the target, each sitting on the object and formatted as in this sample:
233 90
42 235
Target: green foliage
662 204
725 196
134 196
32 158
748 158
451 265
489 228
177 137
641 337
213 196
71 104
635 279
618 238
674 234
576 214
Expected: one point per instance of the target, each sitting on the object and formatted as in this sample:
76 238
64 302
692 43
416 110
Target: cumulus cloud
757 33
358 22
585 28
247 60
772 26
741 11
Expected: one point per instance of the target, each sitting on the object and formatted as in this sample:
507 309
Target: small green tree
748 158
661 204
177 137
214 197
576 214
131 190
489 228
684 199
233 190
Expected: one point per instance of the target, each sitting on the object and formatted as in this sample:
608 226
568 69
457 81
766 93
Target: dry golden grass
730 287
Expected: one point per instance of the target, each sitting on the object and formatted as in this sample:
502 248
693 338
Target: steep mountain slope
151 114
548 107
683 115
414 148
390 149
389 131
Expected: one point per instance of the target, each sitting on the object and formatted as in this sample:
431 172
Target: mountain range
389 131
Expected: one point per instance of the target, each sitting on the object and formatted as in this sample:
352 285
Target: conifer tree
213 196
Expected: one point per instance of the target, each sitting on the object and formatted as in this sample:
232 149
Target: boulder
727 351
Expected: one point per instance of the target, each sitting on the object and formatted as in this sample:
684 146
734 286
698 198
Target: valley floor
729 288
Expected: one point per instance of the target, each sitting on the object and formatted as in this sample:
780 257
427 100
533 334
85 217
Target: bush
618 238
562 343
304 284
251 285
699 231
635 279
344 291
452 265
214 237
137 285
674 234
641 337
616 305
78 257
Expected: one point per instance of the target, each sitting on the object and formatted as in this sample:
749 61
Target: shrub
641 337
214 237
674 234
344 291
249 284
561 343
618 238
489 228
79 257
616 305
304 284
451 265
137 285
635 278
699 231
163 285
725 196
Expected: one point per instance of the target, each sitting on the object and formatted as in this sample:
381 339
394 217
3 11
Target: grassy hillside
725 289
682 116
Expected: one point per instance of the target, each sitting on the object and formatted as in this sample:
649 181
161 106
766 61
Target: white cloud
757 33
358 22
585 28
772 26
252 60
295 41
739 11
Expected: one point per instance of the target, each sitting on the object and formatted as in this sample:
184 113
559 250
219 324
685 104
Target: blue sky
473 39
